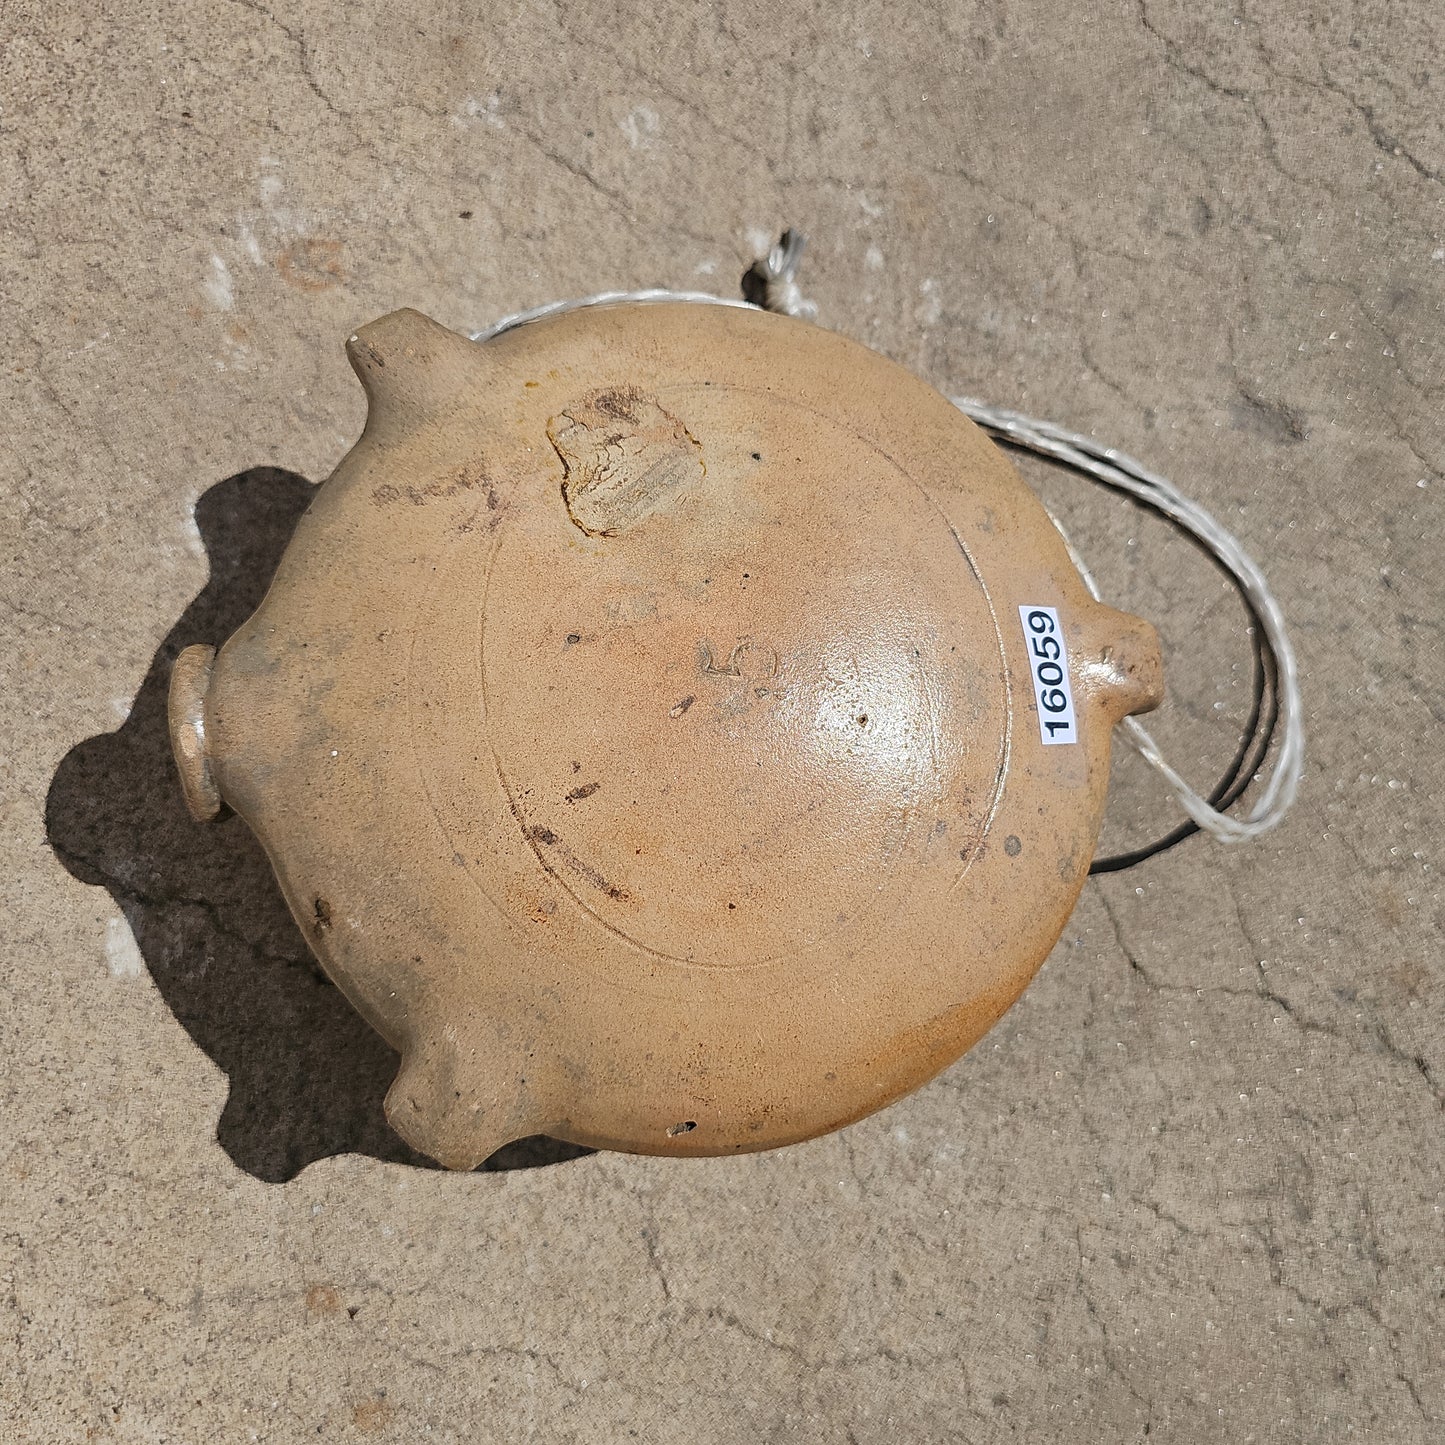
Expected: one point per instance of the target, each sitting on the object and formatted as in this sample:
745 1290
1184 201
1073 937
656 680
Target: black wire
1264 709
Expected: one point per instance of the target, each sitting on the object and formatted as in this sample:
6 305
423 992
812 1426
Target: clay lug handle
439 1110
1125 666
412 369
186 714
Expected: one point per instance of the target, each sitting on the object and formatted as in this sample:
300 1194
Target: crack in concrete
303 55
125 892
1107 1346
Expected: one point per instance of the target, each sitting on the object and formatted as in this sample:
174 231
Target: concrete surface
1191 1188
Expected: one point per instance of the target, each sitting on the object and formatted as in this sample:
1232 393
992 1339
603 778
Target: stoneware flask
676 728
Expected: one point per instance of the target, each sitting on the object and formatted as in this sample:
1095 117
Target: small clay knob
186 712
1127 668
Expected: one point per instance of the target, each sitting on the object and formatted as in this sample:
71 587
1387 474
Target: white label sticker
1049 666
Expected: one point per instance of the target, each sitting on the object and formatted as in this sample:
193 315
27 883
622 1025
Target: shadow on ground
307 1075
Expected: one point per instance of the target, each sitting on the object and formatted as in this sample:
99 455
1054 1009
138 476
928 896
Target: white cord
603 298
774 278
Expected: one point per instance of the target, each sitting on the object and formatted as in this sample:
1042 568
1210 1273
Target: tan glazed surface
642 729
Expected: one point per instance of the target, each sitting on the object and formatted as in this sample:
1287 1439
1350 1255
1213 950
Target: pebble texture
1190 1189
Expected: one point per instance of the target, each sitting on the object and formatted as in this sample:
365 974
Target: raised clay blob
647 735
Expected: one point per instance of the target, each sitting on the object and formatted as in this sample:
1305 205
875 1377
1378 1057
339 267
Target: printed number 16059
1049 667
